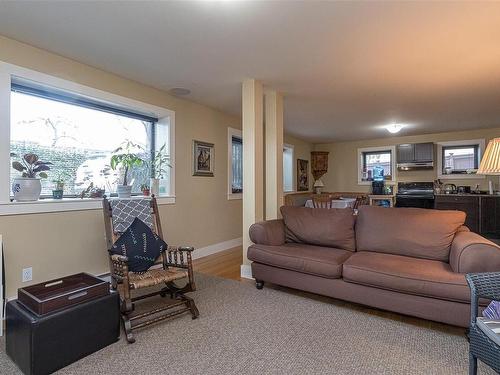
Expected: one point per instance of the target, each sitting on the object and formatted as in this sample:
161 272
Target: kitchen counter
467 195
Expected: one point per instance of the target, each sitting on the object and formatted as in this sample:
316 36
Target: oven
415 194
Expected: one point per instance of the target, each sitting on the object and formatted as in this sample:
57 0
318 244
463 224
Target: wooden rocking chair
175 263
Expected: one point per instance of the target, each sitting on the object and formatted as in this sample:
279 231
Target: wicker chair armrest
482 285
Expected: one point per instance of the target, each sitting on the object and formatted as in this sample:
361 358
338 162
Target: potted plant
126 159
92 192
59 182
28 187
145 190
161 161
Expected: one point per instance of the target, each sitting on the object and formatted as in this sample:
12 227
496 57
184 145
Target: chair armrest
482 285
271 232
471 252
119 267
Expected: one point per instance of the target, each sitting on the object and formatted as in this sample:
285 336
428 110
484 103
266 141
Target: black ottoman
43 344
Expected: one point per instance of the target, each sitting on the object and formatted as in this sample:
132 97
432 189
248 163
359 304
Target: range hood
414 156
415 166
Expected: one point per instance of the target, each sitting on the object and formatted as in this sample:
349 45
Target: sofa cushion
415 232
320 226
314 260
423 277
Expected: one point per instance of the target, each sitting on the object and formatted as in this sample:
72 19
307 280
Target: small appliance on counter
450 189
463 189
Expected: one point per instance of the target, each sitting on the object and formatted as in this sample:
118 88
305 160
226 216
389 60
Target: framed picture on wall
302 175
203 158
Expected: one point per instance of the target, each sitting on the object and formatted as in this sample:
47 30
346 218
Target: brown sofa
407 260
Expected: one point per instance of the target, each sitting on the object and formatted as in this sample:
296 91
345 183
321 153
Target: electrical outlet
27 274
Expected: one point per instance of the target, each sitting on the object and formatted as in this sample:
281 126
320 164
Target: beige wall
342 168
301 150
58 244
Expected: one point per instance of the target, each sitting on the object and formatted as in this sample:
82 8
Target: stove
415 194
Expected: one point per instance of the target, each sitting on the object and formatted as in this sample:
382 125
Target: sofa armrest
471 252
271 232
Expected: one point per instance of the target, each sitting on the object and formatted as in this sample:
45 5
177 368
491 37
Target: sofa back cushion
320 226
414 232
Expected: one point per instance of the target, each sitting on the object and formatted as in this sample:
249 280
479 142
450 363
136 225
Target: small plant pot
146 193
124 191
26 189
57 194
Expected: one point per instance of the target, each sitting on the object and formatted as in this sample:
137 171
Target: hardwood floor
227 263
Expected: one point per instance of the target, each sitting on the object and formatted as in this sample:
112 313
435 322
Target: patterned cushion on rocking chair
155 276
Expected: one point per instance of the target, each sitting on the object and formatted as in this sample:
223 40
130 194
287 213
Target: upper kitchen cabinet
415 156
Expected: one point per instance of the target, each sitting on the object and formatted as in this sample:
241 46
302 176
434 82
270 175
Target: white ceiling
345 68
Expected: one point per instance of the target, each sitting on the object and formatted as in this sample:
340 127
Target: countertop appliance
415 194
450 189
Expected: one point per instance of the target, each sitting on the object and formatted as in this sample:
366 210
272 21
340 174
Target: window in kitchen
370 158
235 164
459 157
287 168
78 136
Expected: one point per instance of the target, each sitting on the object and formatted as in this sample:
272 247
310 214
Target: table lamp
318 184
490 163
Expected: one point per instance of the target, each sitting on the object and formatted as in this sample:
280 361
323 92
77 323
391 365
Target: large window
79 141
375 157
287 168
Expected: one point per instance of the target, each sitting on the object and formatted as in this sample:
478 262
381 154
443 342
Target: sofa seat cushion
414 232
320 226
314 260
428 278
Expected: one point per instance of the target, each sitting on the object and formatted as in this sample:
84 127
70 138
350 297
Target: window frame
287 146
236 133
441 146
373 150
10 72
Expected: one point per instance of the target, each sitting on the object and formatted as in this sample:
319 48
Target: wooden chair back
322 201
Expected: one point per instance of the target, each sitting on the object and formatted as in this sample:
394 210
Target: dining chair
322 201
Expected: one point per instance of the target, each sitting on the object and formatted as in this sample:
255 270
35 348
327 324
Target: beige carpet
243 330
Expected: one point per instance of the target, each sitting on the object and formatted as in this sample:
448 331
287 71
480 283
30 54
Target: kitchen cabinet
483 211
468 204
415 153
490 216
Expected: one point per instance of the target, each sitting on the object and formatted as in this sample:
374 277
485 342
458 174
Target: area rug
242 330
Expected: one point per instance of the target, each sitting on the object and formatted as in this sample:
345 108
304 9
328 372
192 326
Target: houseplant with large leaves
126 158
28 187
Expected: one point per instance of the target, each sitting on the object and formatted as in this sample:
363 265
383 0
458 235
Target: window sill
461 176
234 196
60 205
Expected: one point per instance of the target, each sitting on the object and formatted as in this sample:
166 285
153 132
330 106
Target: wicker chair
174 264
482 285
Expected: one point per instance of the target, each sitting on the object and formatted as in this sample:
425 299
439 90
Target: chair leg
127 326
259 284
472 364
192 306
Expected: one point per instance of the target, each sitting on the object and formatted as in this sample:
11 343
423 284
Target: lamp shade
490 163
318 183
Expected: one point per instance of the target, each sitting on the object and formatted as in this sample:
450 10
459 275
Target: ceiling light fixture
394 128
179 91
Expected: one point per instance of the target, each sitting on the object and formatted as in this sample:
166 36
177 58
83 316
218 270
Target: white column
274 153
253 162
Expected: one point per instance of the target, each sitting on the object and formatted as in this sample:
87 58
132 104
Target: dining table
335 203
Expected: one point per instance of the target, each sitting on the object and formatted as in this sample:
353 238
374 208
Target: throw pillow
140 244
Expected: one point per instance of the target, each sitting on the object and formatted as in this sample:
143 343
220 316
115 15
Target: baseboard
218 247
246 271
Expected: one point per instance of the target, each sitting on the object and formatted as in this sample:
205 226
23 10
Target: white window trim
393 180
7 71
480 142
294 162
232 132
